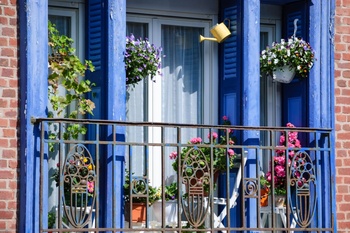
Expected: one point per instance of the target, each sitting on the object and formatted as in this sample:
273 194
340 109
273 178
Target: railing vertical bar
113 149
272 165
41 199
163 175
61 185
179 179
97 181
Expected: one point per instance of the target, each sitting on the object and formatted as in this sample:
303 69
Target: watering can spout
220 33
201 38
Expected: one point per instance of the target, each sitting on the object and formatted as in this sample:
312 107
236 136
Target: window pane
182 82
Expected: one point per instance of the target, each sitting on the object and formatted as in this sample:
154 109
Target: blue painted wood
298 88
230 82
106 44
230 60
116 105
322 99
330 48
33 81
251 92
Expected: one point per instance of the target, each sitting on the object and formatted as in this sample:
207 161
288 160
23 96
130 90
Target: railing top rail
176 125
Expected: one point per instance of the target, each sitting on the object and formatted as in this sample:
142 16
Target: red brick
341 83
340 47
3 2
6 195
12 205
9 93
6 175
343 225
13 143
13 83
13 185
2 223
14 103
4 103
340 216
7 214
9 11
7 52
3 163
4 142
12 164
13 22
3 184
9 133
13 63
11 113
13 123
3 122
346 74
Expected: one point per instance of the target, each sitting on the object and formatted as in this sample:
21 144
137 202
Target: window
186 92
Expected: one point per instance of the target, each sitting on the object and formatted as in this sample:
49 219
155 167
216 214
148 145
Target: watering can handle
229 22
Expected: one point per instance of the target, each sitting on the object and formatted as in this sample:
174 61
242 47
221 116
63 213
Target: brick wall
342 112
8 116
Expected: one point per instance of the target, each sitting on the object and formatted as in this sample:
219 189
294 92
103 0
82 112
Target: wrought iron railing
183 178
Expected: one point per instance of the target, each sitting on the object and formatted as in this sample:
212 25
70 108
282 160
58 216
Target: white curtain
182 82
181 91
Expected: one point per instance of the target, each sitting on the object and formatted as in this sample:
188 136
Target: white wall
203 7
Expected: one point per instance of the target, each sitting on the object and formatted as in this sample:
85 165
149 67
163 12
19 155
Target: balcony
93 183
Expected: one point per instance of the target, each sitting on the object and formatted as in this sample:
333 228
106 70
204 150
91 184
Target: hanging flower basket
293 56
283 74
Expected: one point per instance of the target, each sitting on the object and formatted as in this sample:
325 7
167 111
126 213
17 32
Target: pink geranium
280 162
217 151
196 140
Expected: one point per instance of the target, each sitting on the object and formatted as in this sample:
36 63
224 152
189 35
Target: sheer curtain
182 82
136 108
181 94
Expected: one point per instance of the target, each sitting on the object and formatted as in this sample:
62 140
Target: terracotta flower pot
138 213
264 197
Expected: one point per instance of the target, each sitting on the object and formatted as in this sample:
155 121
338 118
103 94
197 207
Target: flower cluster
221 155
170 192
291 141
78 177
139 187
295 52
141 59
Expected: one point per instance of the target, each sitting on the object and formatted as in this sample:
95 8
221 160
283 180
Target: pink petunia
280 171
196 140
214 135
230 152
90 186
173 155
225 118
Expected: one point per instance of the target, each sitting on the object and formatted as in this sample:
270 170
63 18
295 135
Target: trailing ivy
67 71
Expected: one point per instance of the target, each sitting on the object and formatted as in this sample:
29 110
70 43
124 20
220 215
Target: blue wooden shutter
230 85
294 94
95 47
230 63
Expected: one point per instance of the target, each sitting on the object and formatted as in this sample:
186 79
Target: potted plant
139 204
280 177
264 191
198 174
51 220
283 60
142 59
171 207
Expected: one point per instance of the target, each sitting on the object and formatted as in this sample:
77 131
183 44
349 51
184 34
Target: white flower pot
283 74
280 200
171 210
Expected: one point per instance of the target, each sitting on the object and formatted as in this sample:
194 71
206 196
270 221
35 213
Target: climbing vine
66 71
